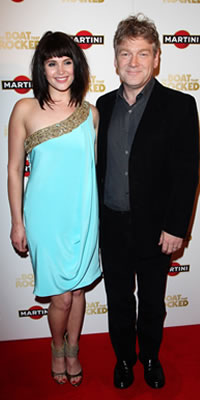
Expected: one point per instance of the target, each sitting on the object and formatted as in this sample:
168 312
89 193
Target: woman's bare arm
16 157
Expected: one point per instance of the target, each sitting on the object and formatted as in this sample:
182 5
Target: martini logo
17 1
96 85
176 268
181 39
176 301
183 82
18 41
27 168
35 312
96 308
85 39
21 84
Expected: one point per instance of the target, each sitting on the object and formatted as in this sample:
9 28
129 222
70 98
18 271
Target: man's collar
144 92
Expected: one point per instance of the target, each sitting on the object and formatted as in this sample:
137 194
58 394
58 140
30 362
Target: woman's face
59 72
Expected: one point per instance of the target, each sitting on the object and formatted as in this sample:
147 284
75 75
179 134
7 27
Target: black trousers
122 265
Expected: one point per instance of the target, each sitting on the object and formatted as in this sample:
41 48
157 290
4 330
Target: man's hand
170 243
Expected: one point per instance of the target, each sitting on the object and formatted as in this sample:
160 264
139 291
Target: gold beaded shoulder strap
66 126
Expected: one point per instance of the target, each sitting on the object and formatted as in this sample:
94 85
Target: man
147 173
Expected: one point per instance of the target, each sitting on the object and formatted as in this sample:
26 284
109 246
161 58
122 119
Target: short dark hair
135 26
59 44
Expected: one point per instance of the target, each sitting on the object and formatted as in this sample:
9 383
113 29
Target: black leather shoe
153 373
123 375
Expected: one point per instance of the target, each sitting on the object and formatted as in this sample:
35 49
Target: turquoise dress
61 205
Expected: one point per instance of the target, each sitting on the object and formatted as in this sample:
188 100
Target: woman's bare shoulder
25 105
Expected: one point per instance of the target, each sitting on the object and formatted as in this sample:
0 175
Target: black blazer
163 164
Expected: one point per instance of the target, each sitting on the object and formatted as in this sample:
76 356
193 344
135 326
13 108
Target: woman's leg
74 325
58 314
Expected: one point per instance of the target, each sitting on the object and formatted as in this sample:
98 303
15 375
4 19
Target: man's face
135 62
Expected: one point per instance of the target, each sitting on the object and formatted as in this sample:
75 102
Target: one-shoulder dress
61 205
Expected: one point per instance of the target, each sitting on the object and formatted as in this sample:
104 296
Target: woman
59 224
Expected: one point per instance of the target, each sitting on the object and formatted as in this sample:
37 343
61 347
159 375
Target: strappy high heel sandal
72 351
58 353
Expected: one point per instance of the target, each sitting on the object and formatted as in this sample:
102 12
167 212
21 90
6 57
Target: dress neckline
57 129
55 123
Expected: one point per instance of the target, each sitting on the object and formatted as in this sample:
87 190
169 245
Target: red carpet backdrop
92 23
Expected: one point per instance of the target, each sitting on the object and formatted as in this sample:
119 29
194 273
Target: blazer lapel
152 116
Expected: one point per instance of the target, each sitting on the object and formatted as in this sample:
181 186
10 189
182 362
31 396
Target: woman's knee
78 293
63 301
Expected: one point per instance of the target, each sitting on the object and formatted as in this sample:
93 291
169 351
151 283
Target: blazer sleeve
183 168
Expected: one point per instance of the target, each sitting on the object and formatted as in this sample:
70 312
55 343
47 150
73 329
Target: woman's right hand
18 238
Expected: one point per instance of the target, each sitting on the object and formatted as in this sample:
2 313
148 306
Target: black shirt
122 129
